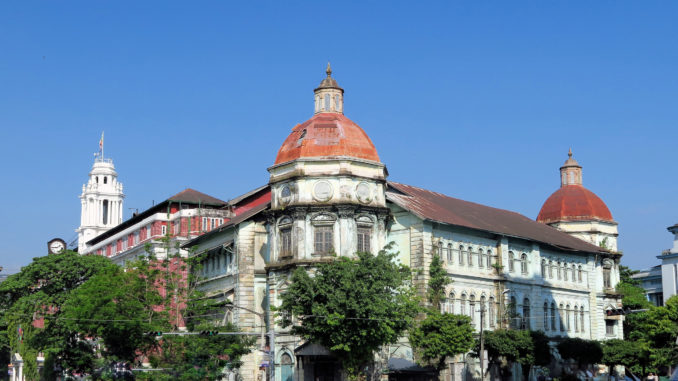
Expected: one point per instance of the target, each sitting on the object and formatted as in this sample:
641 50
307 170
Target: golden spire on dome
329 69
569 153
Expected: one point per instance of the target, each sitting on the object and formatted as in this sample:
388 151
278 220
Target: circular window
285 195
322 191
363 193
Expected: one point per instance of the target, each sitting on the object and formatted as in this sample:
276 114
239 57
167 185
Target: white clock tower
101 202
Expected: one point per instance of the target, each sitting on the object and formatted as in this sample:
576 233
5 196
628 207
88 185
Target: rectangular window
364 237
204 224
323 239
177 227
136 237
286 242
609 327
163 229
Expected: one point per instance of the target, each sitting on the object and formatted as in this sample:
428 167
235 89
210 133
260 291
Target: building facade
661 282
328 195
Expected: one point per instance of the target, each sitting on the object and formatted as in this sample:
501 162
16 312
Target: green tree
38 291
524 347
631 354
351 306
584 352
625 276
439 336
118 307
193 357
438 279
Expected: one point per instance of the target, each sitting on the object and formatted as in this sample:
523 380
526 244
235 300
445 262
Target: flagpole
102 146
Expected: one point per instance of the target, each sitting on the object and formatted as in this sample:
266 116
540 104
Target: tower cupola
570 172
101 201
329 97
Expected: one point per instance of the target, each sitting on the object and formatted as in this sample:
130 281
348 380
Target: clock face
56 247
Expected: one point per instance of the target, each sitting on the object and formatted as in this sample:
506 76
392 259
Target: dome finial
329 69
569 153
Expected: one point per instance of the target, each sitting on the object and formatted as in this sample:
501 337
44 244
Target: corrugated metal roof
438 207
193 196
232 222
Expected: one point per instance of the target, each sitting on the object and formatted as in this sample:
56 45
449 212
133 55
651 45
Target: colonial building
181 217
661 282
329 196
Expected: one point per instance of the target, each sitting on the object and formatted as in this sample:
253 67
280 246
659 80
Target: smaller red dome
327 135
573 203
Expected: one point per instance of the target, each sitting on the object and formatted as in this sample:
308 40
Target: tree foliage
95 312
584 352
351 306
118 308
521 346
439 336
438 279
633 355
39 291
650 334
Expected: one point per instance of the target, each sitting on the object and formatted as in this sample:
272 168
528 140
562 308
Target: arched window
553 317
568 312
546 316
511 258
450 303
581 319
523 264
561 312
481 258
472 308
607 270
462 305
337 103
327 102
576 319
579 274
492 312
489 259
470 256
105 179
96 178
559 269
449 253
526 314
462 254
551 269
513 314
565 271
483 308
543 268
285 359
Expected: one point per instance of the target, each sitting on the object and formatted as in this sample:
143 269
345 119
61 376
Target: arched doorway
286 368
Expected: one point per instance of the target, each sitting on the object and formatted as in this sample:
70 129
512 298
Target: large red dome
573 203
327 135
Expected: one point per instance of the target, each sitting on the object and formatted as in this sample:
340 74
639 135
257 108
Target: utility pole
482 342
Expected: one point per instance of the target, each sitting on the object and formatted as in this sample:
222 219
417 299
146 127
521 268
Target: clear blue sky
478 100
